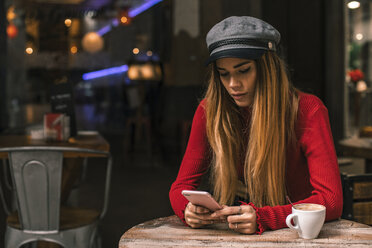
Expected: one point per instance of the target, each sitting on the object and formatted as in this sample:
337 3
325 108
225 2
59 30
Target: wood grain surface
171 232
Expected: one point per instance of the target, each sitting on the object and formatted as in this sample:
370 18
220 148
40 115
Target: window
358 66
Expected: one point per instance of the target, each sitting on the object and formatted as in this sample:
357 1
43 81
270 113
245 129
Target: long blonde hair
271 131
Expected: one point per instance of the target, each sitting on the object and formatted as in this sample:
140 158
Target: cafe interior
127 75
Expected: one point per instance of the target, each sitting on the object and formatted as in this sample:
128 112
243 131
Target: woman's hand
198 216
241 219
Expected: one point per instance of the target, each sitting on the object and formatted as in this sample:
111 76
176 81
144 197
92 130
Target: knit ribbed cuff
260 228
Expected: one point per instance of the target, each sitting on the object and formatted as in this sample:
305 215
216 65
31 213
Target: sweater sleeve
194 164
317 146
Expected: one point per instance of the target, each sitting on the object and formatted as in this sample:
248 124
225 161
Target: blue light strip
105 72
132 13
115 22
104 30
108 27
138 10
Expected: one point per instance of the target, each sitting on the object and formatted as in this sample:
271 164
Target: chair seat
69 218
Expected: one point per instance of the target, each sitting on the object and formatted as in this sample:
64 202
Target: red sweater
312 173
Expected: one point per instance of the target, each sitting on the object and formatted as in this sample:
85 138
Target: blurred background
136 70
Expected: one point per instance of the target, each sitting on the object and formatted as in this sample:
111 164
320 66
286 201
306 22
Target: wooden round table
171 232
360 148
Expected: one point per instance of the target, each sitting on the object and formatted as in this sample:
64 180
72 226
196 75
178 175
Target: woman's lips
239 96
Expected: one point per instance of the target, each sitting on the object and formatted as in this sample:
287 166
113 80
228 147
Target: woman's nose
234 82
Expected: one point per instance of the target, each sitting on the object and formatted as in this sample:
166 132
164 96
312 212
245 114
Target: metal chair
36 174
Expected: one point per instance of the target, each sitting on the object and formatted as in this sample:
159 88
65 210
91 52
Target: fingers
235 210
241 219
245 228
196 223
245 217
241 225
197 209
197 216
202 217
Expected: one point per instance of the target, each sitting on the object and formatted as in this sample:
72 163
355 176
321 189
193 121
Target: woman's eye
224 74
245 70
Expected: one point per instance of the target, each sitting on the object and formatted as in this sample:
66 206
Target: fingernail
214 215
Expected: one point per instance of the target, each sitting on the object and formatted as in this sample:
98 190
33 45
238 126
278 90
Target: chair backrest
37 180
36 173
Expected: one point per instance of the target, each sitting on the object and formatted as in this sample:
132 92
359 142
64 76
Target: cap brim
243 53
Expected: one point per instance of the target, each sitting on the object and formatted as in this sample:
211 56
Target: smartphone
201 198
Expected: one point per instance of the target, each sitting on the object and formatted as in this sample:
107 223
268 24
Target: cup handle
288 222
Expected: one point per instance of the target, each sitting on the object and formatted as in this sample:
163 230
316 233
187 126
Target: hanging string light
123 16
135 50
12 30
68 22
353 4
11 15
73 49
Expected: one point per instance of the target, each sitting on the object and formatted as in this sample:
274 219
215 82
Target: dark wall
335 66
313 45
301 25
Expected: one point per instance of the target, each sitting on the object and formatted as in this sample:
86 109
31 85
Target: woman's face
238 76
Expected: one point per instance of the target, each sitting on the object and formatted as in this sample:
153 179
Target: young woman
261 138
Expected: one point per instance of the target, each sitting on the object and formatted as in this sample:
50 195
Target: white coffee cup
308 219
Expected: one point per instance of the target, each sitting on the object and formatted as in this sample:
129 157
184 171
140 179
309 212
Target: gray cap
241 37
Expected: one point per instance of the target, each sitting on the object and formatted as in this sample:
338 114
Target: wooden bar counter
171 232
